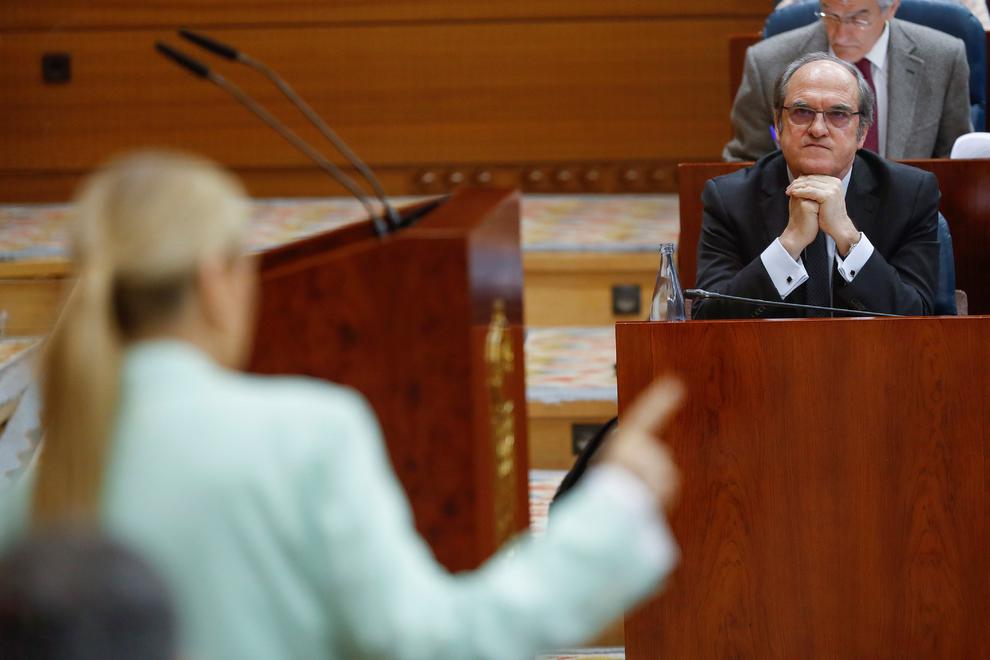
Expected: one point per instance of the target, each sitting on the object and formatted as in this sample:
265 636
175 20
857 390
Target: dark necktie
816 263
872 136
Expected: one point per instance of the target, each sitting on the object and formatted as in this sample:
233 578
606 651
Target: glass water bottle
668 299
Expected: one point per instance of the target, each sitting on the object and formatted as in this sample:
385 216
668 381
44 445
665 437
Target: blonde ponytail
142 226
80 389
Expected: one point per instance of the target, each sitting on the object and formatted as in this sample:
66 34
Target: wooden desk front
834 500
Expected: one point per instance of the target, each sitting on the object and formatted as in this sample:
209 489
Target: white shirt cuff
856 259
785 273
628 491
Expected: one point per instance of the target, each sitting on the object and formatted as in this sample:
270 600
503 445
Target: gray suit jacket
927 83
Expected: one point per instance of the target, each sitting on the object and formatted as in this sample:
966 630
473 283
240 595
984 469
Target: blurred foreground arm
636 446
608 548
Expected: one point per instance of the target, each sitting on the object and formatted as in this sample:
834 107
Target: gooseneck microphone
200 70
701 294
231 53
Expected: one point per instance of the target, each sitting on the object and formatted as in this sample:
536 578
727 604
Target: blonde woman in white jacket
268 503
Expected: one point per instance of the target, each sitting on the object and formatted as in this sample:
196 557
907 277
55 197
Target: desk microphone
202 71
701 294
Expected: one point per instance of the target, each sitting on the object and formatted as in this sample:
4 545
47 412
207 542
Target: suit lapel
862 201
817 40
773 204
905 67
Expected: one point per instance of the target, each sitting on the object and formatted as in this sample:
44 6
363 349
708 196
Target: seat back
949 17
945 290
791 17
971 145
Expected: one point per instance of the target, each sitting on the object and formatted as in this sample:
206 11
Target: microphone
231 53
200 70
701 294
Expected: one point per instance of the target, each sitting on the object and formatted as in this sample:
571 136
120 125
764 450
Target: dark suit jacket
895 205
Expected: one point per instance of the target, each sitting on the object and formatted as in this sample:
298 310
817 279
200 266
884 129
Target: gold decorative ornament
499 363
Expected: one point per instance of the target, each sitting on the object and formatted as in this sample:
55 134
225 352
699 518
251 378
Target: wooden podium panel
835 488
412 322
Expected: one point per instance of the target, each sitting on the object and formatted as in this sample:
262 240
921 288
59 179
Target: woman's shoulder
297 397
174 394
232 431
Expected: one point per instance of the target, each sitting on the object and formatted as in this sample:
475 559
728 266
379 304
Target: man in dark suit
819 222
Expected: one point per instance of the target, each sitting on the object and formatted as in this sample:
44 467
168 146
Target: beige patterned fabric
594 223
599 223
20 432
570 364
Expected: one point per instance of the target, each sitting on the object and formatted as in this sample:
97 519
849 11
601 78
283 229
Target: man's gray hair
866 100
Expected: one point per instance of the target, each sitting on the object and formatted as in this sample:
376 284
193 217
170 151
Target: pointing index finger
655 406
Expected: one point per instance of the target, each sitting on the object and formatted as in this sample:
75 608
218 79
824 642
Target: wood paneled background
545 95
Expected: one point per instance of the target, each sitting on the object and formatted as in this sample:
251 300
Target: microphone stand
233 54
199 69
701 294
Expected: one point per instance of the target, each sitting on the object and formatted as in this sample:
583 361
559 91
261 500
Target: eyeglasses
861 21
802 116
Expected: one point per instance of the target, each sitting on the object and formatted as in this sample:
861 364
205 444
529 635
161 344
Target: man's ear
862 139
892 9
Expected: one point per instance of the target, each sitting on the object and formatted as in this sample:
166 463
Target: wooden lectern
427 324
835 488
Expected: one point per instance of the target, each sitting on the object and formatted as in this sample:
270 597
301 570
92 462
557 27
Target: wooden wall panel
535 102
482 93
69 14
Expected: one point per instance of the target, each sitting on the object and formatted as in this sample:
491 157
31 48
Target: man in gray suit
920 77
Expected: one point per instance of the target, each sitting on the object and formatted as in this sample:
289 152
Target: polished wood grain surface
400 94
66 14
834 493
691 178
403 320
559 99
965 204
